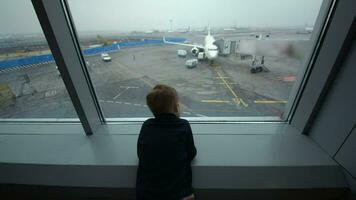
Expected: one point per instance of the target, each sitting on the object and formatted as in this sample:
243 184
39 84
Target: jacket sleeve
192 151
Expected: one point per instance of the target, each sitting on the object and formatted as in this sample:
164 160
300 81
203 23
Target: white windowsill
229 156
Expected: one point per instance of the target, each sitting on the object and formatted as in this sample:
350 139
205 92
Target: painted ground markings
287 78
270 101
255 101
125 88
221 79
122 102
21 67
147 82
214 101
238 100
145 106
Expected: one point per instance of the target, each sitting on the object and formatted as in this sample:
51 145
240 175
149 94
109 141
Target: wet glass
30 84
225 58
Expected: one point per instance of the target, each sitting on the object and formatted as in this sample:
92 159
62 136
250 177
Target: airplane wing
183 44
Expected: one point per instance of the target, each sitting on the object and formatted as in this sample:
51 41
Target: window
224 68
262 54
30 84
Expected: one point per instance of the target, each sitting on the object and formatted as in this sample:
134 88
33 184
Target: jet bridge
258 49
226 47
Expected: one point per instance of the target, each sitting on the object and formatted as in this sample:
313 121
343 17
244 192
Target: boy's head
163 99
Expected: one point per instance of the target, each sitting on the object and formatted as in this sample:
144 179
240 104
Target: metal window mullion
59 35
81 55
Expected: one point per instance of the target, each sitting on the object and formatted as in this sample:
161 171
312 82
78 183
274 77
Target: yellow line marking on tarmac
269 101
228 83
214 101
147 82
237 99
222 77
216 110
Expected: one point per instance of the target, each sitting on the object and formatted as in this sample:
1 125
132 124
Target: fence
90 51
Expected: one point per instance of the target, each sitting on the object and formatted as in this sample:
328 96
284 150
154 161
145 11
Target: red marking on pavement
287 78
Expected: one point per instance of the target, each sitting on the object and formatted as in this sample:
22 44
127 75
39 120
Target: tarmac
225 88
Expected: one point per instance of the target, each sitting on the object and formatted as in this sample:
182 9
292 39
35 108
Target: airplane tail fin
164 39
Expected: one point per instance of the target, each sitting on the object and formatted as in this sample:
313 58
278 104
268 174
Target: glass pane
30 84
228 58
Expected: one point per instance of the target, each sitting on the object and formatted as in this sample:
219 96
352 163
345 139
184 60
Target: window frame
57 24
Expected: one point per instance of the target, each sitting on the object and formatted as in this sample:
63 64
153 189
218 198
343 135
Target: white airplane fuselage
210 49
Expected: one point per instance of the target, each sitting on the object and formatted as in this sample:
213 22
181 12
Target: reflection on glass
30 84
229 58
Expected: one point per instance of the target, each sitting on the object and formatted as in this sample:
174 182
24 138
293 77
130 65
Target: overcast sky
18 16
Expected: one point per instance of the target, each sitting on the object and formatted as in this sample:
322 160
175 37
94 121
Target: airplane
209 49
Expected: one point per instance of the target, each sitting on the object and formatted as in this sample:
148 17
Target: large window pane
248 53
30 84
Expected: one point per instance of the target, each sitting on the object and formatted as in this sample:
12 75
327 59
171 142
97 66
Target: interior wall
334 126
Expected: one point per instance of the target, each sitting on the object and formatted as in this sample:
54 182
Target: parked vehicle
201 56
182 53
191 63
105 57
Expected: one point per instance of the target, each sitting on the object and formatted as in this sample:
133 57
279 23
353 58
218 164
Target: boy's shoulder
148 121
155 120
183 120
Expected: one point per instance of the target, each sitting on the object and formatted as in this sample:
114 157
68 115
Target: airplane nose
214 55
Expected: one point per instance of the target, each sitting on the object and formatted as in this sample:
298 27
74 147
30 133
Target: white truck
201 56
182 53
105 57
191 63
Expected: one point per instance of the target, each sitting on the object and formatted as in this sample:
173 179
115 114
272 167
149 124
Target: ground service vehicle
182 53
105 57
191 63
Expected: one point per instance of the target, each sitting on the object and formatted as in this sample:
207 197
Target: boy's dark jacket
165 148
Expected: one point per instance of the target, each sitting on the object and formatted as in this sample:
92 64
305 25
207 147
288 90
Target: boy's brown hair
163 99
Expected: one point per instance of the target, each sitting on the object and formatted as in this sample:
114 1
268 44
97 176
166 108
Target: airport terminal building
268 89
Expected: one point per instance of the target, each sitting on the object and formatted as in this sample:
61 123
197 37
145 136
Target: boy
165 149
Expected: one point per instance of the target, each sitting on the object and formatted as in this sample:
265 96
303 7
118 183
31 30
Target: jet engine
195 51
